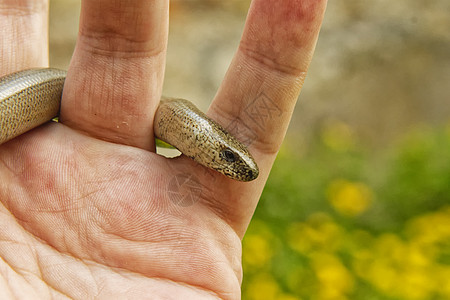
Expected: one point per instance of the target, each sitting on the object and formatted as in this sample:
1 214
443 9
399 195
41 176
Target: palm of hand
100 212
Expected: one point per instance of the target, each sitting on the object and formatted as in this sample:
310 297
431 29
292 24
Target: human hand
88 210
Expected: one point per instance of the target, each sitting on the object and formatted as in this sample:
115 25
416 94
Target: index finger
260 89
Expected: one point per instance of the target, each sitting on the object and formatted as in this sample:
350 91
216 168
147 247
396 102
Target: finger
115 77
260 89
24 38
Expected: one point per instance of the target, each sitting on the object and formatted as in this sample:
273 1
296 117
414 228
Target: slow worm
32 97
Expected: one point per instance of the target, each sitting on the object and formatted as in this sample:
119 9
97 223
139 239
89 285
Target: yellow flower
317 234
262 286
390 246
430 228
398 268
257 251
257 246
442 274
335 281
415 284
349 198
382 275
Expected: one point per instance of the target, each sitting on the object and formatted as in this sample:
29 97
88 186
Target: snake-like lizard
32 97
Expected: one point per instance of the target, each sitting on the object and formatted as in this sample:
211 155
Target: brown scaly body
181 124
32 97
28 99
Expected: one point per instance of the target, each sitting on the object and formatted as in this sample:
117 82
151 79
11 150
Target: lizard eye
228 155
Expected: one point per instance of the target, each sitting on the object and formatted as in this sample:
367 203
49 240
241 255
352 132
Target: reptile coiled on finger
32 97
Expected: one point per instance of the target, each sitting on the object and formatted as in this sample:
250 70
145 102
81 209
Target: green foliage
419 177
338 223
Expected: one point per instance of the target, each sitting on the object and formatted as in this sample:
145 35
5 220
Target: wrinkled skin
87 209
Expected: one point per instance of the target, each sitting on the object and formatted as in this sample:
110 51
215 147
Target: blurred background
358 203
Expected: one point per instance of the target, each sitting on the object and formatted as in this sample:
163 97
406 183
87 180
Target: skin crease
84 205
